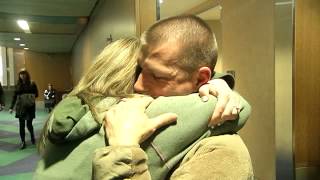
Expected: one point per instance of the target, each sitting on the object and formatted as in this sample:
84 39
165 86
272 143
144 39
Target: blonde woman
111 75
75 144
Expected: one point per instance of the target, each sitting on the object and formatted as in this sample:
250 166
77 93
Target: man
178 57
49 98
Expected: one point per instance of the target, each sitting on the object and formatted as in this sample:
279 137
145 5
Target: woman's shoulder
70 103
33 83
65 116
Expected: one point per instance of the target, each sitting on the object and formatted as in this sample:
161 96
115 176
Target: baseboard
308 173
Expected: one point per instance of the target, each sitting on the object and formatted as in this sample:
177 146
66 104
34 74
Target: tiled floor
14 163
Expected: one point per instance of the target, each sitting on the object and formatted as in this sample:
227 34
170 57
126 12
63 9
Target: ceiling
211 14
176 7
54 24
206 9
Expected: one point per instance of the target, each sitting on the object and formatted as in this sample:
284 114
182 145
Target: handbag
26 100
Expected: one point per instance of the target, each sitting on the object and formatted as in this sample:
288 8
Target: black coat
1 95
21 111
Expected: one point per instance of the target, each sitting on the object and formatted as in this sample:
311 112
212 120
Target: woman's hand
228 106
126 124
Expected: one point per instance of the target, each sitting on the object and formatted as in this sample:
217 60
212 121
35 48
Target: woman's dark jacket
20 90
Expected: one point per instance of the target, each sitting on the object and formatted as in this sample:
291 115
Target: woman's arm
64 118
14 99
34 89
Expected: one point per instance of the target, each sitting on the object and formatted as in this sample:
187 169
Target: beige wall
19 62
49 68
45 68
248 48
115 17
306 84
145 14
215 25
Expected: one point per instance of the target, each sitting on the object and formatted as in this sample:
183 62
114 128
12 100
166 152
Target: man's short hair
198 46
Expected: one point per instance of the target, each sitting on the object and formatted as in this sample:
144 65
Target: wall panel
248 48
49 68
307 86
110 17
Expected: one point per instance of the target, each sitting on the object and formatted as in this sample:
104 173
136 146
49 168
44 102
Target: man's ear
204 75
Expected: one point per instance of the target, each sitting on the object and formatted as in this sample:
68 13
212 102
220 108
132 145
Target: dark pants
22 123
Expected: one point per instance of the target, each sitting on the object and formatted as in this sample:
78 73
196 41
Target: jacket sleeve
64 117
1 89
120 162
227 77
1 96
45 94
235 125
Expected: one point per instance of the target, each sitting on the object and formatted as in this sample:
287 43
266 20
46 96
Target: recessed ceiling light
26 48
22 44
23 24
160 1
16 39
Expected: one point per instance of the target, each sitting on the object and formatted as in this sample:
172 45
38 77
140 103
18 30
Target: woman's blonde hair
112 74
113 71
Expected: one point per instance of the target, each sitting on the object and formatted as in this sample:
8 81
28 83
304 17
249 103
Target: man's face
160 76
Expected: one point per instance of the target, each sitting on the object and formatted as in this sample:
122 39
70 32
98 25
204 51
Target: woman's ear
204 75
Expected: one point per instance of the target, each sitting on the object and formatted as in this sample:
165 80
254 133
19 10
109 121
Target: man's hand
127 124
228 105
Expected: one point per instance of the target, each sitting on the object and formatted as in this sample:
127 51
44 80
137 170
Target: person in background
24 102
1 98
49 98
